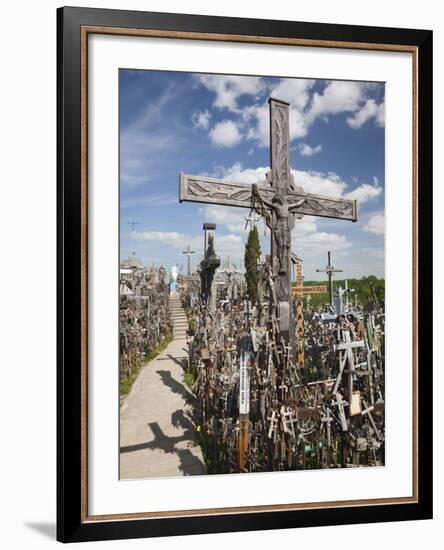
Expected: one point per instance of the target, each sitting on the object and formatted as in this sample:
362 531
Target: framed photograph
244 274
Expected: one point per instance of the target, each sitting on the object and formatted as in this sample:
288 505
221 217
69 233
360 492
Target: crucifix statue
280 201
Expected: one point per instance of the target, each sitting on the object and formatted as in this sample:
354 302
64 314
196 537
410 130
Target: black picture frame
73 523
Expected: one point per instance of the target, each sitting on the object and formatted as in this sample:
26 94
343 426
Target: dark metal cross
330 269
279 200
188 252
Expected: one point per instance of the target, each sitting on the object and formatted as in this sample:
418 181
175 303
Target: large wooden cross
280 199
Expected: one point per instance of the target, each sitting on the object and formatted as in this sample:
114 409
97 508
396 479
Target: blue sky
217 125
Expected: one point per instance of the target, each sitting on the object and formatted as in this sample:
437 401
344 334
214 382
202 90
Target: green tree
252 255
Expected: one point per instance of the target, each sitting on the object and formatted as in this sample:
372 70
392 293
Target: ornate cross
279 200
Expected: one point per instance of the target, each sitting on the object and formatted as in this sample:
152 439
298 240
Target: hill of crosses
276 382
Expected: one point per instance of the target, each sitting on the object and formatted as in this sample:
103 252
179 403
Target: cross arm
322 205
216 191
348 345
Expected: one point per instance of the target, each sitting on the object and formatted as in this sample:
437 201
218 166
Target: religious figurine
173 278
281 230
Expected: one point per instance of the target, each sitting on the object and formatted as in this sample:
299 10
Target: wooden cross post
279 200
299 314
244 399
330 269
188 252
298 291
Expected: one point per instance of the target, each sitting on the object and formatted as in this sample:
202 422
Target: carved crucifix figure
282 211
281 202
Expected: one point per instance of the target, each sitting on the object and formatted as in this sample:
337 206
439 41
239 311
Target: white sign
244 384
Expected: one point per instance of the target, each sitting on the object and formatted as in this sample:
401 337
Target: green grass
216 454
127 382
361 288
189 380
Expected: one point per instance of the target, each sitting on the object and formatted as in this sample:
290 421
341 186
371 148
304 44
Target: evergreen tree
252 255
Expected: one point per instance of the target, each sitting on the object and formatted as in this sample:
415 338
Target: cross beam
216 191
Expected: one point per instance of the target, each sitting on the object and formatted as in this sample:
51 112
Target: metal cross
188 252
132 223
279 200
330 269
252 220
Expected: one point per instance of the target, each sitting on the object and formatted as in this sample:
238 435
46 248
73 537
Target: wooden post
244 424
244 402
300 314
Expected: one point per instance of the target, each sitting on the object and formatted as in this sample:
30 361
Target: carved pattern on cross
280 136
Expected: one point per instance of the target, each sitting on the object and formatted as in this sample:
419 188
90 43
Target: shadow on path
189 463
161 440
181 361
174 385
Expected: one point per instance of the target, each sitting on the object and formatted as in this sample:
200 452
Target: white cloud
337 97
365 192
319 182
294 91
369 110
225 134
201 119
238 174
232 218
375 224
166 237
229 245
304 226
324 241
256 118
149 200
308 151
229 88
305 107
224 244
319 242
